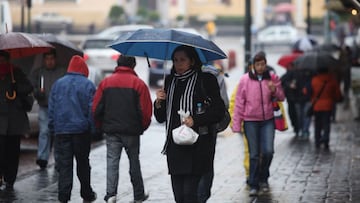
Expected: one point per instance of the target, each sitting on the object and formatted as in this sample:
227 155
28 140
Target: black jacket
13 116
196 158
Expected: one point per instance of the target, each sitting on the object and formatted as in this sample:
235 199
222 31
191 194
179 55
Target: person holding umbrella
183 90
14 122
42 79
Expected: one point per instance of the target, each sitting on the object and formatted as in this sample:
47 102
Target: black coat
13 117
196 158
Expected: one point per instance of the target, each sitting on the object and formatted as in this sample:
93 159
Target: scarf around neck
186 99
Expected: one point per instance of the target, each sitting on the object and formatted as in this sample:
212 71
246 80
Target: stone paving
299 172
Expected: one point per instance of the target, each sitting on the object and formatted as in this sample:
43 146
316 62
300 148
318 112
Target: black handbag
225 121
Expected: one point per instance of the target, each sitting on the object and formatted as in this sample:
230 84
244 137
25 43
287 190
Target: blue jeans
304 120
322 127
67 147
44 140
260 136
114 145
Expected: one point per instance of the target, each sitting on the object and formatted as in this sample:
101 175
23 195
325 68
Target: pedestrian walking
288 82
206 181
42 79
122 107
71 122
257 89
14 122
303 91
185 90
326 92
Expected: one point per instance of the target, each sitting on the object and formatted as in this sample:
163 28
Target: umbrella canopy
65 50
284 7
20 44
329 47
305 44
160 44
316 59
286 60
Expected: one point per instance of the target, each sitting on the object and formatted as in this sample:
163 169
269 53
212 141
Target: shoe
41 163
264 187
146 196
253 192
111 199
92 198
9 186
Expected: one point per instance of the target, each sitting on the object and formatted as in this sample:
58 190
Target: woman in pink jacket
253 107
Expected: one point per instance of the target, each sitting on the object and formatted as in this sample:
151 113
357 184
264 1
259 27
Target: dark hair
128 61
260 56
52 52
191 53
5 54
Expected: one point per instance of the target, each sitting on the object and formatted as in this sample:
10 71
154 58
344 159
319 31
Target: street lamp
247 30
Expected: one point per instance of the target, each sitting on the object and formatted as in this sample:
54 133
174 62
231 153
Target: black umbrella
65 50
328 47
316 59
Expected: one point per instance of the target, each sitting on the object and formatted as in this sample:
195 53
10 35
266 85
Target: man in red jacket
122 108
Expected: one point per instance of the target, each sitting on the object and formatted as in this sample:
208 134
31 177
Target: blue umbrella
160 44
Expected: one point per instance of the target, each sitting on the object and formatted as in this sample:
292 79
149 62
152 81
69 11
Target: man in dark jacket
42 79
70 120
122 108
14 121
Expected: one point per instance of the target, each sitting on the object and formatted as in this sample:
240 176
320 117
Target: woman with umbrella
185 89
14 122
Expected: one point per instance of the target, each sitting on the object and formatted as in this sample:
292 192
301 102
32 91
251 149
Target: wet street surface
299 172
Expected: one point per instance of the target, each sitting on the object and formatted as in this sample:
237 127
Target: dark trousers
293 116
185 188
9 157
322 127
67 147
206 181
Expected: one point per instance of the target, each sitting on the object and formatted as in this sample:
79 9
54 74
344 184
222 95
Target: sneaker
253 192
41 163
92 198
264 187
111 199
146 196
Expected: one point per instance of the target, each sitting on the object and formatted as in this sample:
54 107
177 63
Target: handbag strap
319 94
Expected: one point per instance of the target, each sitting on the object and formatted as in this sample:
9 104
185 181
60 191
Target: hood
78 65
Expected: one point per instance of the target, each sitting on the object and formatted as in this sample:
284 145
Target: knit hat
78 65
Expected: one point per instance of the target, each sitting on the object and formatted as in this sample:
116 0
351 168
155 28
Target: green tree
116 15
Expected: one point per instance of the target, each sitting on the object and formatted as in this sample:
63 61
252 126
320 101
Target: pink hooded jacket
254 100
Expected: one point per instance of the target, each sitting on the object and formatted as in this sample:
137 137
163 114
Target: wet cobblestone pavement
299 172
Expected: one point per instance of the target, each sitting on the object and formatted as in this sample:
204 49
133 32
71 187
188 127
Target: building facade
86 12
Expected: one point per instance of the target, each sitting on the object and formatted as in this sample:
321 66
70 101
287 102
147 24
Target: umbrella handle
11 97
147 59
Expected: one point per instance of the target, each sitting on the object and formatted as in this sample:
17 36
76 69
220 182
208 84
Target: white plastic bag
184 135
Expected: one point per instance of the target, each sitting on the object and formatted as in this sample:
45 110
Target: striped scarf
186 99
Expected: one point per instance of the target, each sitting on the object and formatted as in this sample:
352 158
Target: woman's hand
188 121
272 86
160 96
